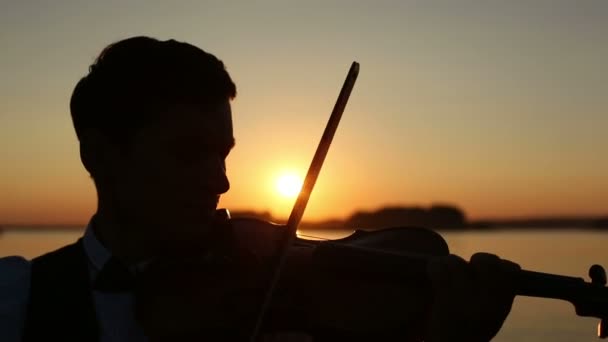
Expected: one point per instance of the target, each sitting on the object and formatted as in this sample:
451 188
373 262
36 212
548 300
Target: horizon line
507 219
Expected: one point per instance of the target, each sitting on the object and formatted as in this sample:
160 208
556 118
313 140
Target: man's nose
223 184
219 182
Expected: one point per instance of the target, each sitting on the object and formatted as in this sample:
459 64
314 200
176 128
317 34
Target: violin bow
299 207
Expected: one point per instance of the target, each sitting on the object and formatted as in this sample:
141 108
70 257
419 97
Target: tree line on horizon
444 216
440 217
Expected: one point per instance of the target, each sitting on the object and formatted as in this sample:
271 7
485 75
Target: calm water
561 252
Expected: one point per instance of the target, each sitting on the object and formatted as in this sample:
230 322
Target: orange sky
498 108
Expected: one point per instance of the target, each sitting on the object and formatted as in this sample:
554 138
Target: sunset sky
499 107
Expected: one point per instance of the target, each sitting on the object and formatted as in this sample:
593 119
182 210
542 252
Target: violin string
337 243
366 248
313 237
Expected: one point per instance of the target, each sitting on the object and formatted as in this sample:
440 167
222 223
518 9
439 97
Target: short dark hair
134 80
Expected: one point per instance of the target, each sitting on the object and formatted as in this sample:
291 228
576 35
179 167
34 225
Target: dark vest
61 304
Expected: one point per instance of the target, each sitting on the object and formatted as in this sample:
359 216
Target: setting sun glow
289 185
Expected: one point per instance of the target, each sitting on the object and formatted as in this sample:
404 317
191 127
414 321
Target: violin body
371 285
349 288
215 293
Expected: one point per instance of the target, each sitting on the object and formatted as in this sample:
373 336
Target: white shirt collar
98 255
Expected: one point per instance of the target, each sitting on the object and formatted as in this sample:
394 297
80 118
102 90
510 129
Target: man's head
154 123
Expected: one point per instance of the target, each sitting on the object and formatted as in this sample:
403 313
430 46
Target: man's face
175 171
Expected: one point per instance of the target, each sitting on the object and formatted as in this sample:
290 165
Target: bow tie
114 277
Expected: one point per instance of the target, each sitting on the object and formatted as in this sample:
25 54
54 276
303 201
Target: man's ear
98 155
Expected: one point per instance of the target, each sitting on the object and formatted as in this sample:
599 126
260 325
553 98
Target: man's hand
471 300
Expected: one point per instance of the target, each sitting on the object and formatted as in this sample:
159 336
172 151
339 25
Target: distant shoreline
440 217
529 224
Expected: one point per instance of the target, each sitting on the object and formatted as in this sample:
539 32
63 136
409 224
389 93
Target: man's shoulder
15 273
16 283
14 269
59 262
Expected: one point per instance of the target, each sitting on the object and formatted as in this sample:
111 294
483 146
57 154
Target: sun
289 185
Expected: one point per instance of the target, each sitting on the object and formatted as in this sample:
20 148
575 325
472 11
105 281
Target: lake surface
566 252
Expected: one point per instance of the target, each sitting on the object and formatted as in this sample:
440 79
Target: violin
254 277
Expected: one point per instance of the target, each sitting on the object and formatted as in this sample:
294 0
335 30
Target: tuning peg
598 277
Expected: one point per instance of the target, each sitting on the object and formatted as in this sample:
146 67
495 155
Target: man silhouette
154 123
